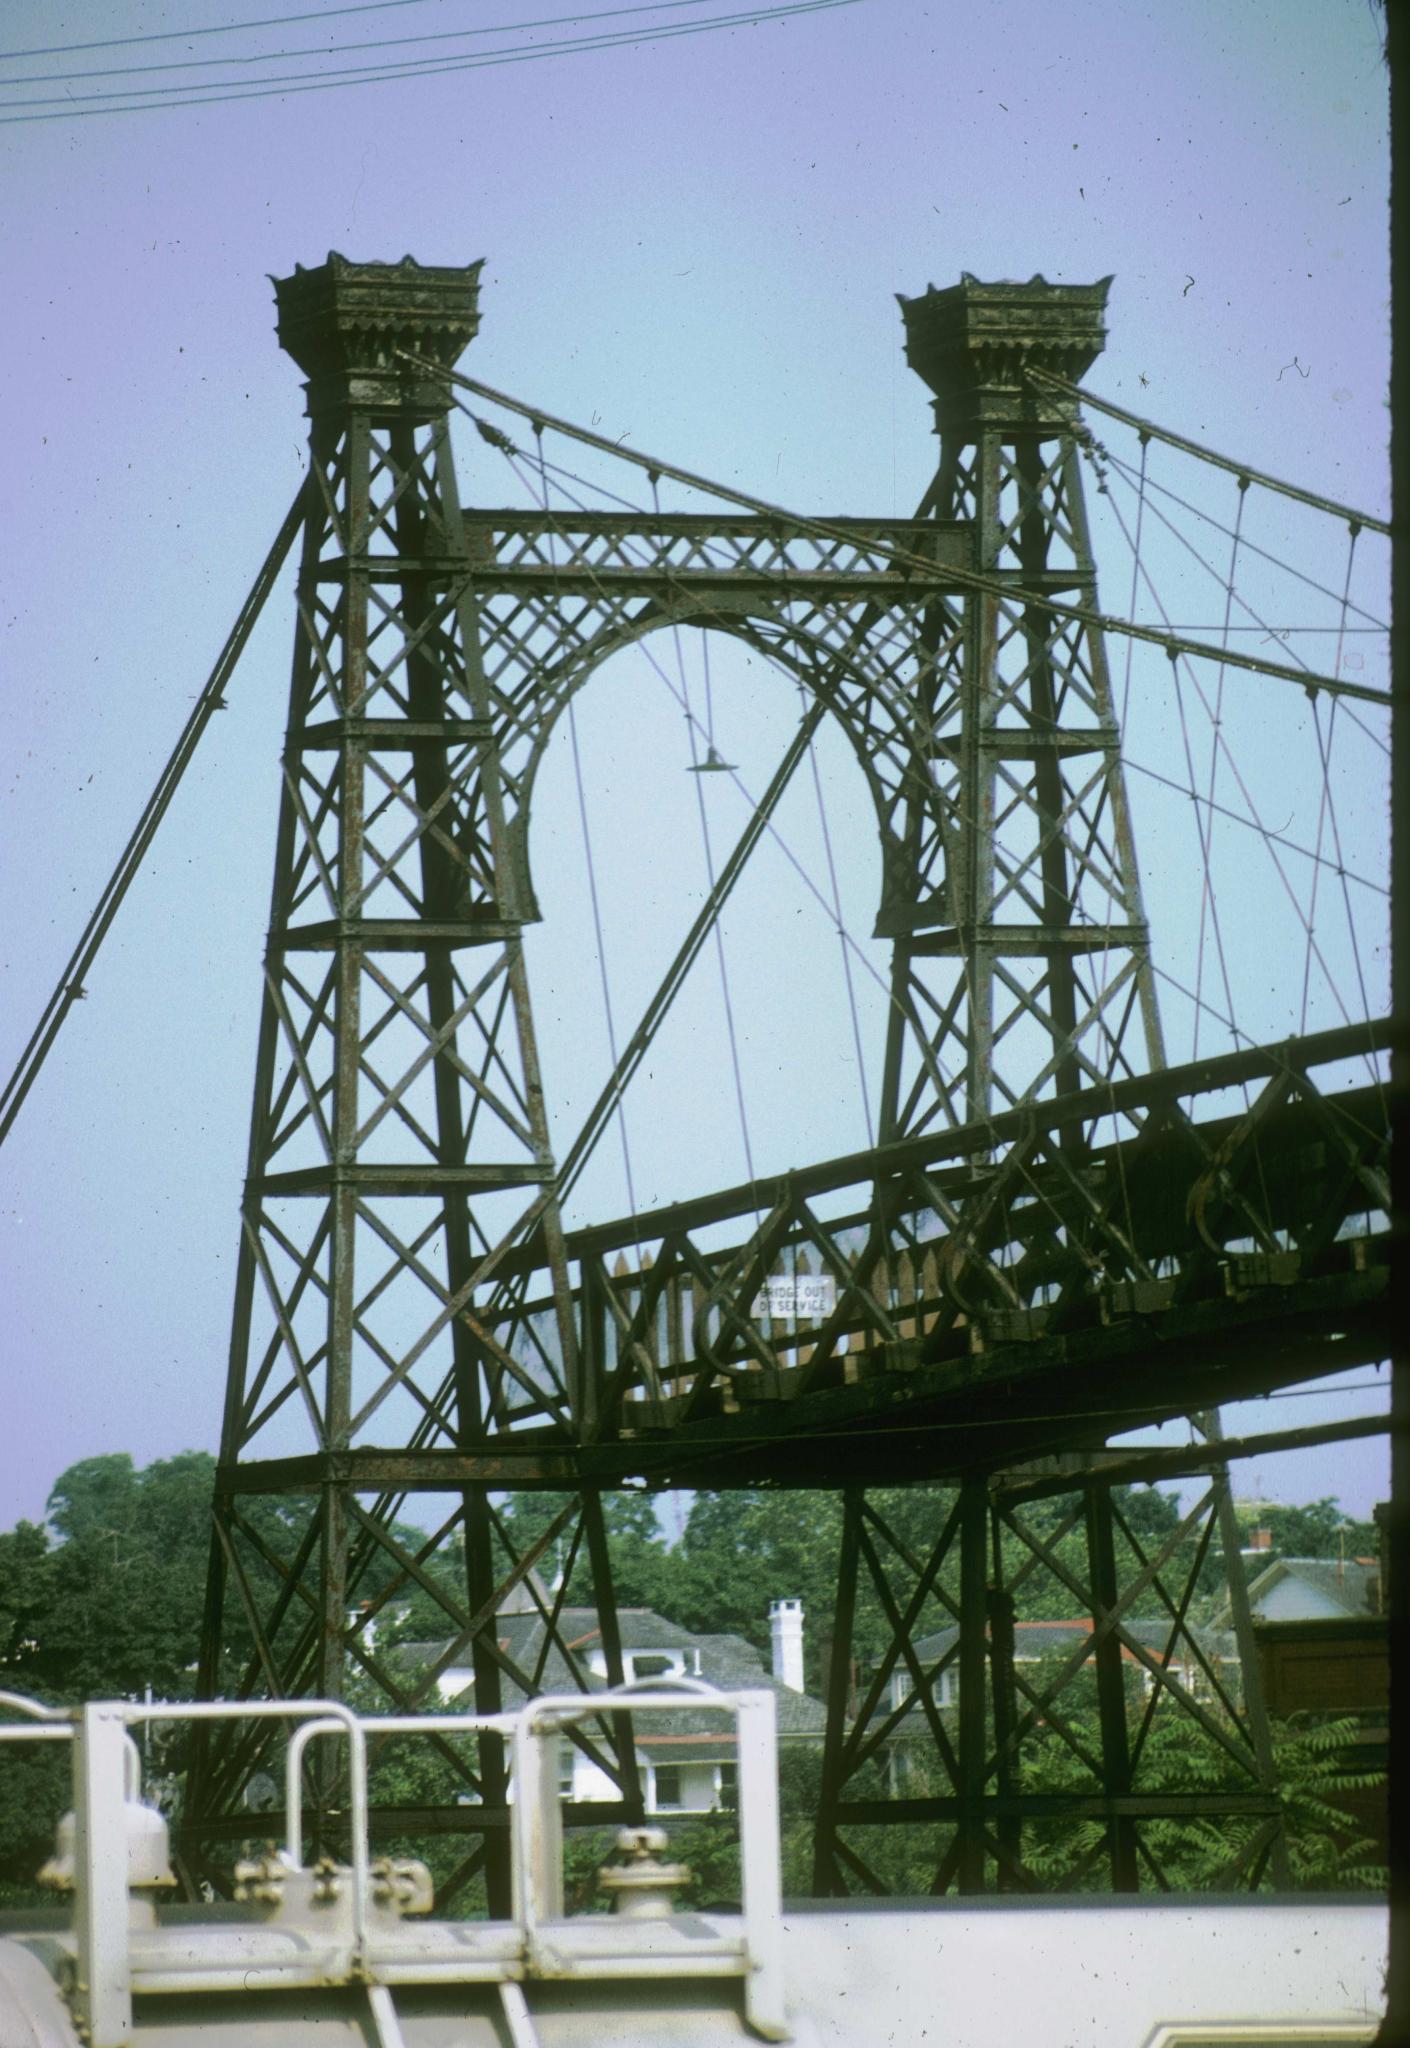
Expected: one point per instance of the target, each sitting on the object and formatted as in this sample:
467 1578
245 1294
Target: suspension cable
929 1052
902 558
1203 1007
699 733
948 1081
1247 797
1327 806
1264 832
1201 831
841 937
1115 465
1128 761
1135 578
690 726
1372 623
591 866
575 1158
769 826
1256 476
1310 680
499 439
1207 893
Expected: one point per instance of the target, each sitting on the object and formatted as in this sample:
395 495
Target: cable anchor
496 436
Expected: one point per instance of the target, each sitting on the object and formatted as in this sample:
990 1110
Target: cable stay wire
593 898
1135 590
841 938
1204 820
903 558
690 725
1098 456
1315 855
1327 810
1259 622
948 1082
1343 599
783 588
1227 1021
1374 623
701 734
575 1158
159 99
1314 499
1250 825
325 50
707 920
1244 792
1206 902
601 949
70 988
1108 465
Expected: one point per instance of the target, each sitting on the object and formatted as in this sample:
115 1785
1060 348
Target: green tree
640 1561
740 1551
1320 1529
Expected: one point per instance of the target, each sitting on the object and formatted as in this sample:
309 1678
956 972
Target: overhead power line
225 28
159 99
324 50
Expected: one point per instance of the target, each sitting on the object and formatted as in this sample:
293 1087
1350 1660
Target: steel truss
946 1732
405 1291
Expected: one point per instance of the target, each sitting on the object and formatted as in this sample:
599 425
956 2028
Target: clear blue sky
694 243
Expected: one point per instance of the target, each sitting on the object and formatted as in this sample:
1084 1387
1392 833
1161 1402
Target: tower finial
344 323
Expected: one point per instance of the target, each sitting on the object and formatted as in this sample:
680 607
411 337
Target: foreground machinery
315 1952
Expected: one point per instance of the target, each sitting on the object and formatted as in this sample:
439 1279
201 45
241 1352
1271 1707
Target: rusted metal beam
1145 1467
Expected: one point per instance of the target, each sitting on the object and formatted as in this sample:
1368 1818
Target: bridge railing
1256 1169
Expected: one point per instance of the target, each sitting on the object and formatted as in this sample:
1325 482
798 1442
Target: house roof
1351 1585
1033 1639
726 1661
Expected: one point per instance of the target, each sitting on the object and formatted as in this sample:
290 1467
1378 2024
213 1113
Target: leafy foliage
1319 1529
108 1599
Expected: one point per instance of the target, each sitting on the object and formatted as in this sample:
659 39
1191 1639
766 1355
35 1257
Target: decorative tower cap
972 343
344 324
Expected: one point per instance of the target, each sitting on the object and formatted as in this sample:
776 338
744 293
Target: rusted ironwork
1047 1204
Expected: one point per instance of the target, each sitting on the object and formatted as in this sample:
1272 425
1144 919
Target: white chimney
786 1624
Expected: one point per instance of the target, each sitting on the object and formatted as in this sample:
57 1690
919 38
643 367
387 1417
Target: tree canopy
107 1596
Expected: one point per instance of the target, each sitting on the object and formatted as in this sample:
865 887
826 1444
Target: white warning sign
806 1297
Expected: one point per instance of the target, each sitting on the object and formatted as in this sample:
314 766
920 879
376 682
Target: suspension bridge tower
411 1320
399 1139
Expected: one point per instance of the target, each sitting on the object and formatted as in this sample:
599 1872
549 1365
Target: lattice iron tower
410 1319
1022 954
399 1139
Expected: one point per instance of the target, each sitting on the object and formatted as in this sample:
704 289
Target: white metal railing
114 1958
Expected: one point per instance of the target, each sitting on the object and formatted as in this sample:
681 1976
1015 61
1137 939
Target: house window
668 1785
566 1755
652 1667
727 1794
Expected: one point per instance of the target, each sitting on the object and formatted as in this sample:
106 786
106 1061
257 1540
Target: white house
688 1767
1036 1640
